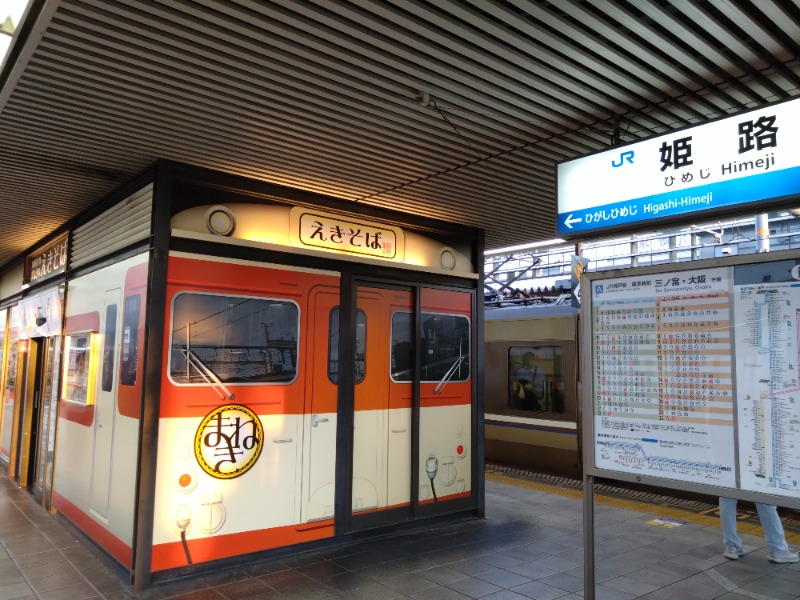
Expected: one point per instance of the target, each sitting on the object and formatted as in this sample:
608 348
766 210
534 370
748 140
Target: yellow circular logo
228 441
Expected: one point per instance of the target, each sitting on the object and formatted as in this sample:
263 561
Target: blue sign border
724 194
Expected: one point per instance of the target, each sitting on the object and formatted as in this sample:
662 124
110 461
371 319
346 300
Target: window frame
89 354
265 299
423 314
519 350
331 345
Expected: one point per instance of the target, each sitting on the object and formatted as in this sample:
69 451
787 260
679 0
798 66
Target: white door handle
316 420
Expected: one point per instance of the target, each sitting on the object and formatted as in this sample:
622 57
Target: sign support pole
588 537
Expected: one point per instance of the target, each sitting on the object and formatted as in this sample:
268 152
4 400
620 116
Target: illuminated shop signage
228 441
50 260
336 233
744 159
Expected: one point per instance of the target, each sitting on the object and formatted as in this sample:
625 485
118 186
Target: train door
105 409
319 454
410 349
386 345
382 423
445 422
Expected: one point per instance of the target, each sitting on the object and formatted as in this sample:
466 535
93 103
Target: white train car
531 388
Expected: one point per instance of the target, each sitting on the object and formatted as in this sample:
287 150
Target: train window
536 378
361 346
402 356
130 340
445 347
109 342
233 339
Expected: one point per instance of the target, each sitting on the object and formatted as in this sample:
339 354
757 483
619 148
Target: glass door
413 417
446 415
6 404
382 429
47 391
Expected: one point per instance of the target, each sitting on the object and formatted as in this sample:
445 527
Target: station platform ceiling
457 110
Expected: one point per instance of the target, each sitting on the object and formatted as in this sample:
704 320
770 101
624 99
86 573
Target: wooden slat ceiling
456 109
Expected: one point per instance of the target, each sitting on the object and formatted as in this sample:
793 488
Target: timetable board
694 375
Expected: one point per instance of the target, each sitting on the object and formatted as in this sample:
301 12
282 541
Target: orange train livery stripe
107 540
446 301
129 397
466 494
197 275
77 413
172 554
80 323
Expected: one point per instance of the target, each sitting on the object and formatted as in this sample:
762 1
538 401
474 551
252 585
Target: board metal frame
588 400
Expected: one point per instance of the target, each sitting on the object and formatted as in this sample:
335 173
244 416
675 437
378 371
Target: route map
662 371
768 408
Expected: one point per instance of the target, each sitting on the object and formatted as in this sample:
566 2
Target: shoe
782 558
733 552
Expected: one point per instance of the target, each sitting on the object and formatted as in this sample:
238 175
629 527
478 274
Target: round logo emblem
228 441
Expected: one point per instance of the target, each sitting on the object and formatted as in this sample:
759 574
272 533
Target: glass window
360 349
130 340
9 395
9 391
109 343
402 346
445 347
233 339
78 381
536 378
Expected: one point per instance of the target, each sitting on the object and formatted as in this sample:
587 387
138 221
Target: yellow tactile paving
661 511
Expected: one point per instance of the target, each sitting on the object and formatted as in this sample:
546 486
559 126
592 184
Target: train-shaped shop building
205 369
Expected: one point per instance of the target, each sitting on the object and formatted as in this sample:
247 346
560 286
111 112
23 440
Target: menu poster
766 310
662 375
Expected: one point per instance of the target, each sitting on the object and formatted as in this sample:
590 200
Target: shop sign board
729 165
46 262
342 234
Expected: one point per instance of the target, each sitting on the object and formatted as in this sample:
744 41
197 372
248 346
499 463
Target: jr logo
627 155
598 289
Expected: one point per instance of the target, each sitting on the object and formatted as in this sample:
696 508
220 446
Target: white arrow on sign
569 221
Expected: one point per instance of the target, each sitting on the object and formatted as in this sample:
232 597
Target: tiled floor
529 546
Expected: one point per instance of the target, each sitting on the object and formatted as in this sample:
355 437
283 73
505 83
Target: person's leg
730 537
727 519
773 528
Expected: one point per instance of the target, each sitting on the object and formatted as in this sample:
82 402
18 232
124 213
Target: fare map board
695 378
768 394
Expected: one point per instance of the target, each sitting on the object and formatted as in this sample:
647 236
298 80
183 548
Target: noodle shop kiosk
241 369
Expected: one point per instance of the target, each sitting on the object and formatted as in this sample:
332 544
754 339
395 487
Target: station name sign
745 159
46 262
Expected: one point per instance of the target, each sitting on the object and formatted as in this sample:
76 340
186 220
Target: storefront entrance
43 421
37 424
412 417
